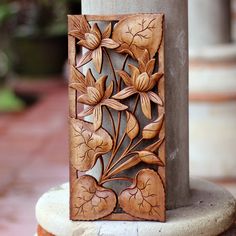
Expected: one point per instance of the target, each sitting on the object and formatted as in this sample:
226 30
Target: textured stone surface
176 64
211 211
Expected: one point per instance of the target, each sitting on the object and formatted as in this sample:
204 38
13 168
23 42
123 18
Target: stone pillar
209 22
176 58
212 86
233 19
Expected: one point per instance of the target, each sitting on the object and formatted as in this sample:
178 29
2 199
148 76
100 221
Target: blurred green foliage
9 102
36 17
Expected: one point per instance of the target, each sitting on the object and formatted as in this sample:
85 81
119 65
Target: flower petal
145 57
86 112
80 23
146 105
134 72
142 82
95 30
94 95
109 90
97 59
87 57
125 76
89 79
84 43
114 104
142 66
79 80
155 98
126 92
107 32
100 84
150 66
157 76
77 34
84 98
109 43
97 117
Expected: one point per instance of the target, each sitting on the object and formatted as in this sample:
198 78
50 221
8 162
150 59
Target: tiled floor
34 158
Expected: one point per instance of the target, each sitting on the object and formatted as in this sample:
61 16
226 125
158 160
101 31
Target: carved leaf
153 147
79 80
87 145
152 130
91 201
137 33
132 126
149 158
145 198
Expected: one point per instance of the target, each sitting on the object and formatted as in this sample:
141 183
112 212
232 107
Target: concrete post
176 58
212 89
233 20
209 22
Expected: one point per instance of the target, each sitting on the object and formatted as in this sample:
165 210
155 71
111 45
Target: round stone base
211 211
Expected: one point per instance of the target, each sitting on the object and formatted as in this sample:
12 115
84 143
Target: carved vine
138 37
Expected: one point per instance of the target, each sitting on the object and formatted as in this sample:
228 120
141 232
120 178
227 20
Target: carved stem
115 179
126 153
102 167
136 104
112 121
111 65
117 132
108 168
119 113
135 145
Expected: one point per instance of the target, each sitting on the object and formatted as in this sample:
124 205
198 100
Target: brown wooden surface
140 39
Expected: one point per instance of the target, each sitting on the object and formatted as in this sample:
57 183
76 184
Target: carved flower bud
142 82
92 41
94 95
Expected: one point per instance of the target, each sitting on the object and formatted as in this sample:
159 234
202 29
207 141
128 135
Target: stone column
233 19
212 86
176 58
209 22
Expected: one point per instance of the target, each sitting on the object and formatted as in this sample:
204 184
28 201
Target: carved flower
92 39
141 81
95 95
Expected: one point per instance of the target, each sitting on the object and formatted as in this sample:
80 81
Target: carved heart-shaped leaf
145 198
87 145
132 126
152 130
137 33
91 201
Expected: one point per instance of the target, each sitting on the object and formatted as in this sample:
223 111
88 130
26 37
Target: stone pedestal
212 87
210 211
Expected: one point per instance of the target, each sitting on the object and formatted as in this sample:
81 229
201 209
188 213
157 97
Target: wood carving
122 125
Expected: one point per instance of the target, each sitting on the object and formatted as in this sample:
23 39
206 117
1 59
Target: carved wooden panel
117 140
